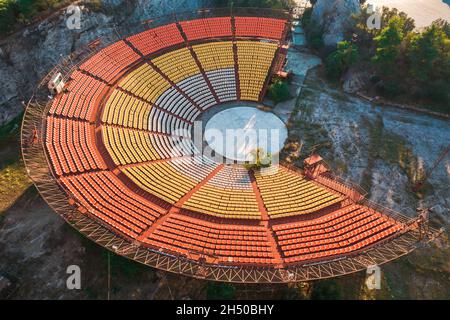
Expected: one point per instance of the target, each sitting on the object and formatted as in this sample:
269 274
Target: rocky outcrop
30 54
333 16
355 80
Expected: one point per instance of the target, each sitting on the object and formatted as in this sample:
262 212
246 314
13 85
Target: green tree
388 45
261 159
428 55
7 17
444 25
13 12
341 59
387 14
365 36
278 91
360 31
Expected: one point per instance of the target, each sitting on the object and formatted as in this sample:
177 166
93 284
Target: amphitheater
101 153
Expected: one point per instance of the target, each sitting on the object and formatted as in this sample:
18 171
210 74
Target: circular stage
236 133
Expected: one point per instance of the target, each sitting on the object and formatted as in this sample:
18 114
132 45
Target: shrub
389 88
388 46
22 11
262 159
314 35
7 17
94 5
340 60
278 91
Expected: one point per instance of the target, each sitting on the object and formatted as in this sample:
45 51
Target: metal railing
387 211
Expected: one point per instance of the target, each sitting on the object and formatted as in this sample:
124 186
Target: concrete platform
236 132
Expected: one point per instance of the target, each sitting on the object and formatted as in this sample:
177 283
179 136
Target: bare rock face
334 17
29 55
355 80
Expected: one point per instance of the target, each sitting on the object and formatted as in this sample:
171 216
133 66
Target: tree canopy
340 60
388 44
403 62
14 12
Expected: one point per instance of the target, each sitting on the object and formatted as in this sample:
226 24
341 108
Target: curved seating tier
175 103
219 243
79 100
155 39
207 28
217 60
224 83
130 146
232 177
104 196
341 232
240 204
228 194
161 121
71 146
286 193
108 63
260 27
118 139
168 180
215 55
177 65
197 88
125 110
254 61
145 82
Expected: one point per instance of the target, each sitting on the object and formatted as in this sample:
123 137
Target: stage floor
238 131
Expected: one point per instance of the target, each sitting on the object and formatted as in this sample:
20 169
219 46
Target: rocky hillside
333 17
28 55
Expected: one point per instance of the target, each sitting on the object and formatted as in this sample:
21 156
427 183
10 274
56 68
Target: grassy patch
13 182
13 177
314 136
